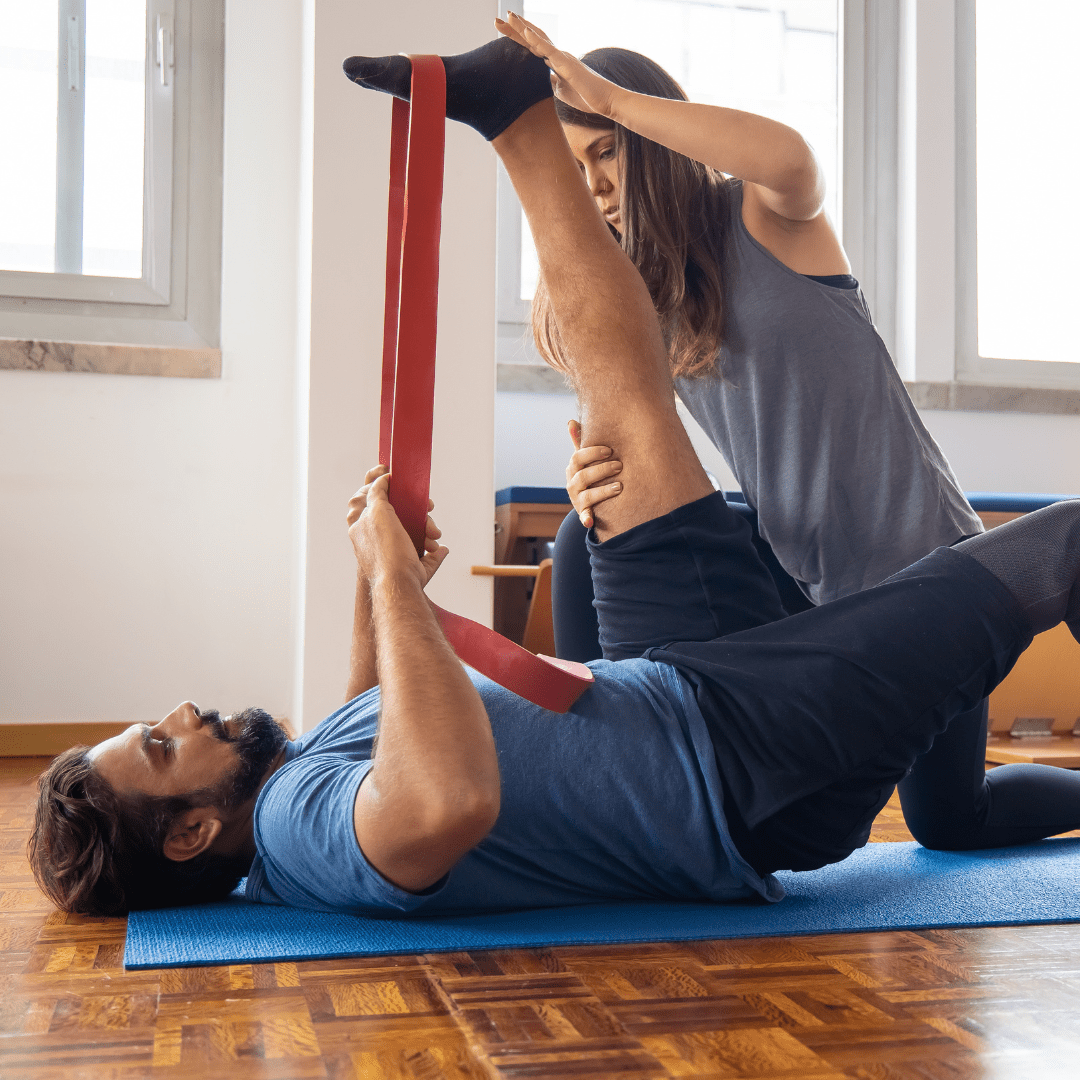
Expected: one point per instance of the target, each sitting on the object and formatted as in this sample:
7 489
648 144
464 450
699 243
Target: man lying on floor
730 743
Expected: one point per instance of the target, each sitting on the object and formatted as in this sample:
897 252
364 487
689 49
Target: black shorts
691 575
814 717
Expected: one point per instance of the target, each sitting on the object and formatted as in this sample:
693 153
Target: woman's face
595 153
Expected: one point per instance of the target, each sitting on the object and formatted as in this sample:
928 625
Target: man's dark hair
98 851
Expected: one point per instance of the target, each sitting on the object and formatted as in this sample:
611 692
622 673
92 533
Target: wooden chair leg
539 634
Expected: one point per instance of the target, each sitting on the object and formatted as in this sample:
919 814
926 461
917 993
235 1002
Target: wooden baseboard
48 740
37 740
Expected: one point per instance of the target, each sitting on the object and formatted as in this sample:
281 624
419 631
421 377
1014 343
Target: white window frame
970 366
176 302
870 131
513 342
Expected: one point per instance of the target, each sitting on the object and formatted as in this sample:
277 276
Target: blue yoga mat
881 887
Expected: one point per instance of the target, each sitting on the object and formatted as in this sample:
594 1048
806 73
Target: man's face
191 750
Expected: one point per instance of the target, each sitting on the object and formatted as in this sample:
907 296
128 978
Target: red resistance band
408 376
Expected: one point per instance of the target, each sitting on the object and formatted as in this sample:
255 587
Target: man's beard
258 740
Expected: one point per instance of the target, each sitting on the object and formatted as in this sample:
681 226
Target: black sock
488 88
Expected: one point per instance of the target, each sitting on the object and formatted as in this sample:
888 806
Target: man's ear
192 833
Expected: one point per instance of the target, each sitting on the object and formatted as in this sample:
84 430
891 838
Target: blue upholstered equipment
520 494
981 501
1004 502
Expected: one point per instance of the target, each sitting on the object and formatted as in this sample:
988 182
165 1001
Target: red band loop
412 294
414 223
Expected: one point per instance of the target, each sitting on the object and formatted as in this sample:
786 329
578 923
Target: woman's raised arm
773 157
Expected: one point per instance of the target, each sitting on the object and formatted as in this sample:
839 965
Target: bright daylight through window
71 197
776 58
1027 85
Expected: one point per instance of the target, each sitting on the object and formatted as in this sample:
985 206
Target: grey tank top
815 423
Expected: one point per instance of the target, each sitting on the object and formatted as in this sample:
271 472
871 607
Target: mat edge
554 943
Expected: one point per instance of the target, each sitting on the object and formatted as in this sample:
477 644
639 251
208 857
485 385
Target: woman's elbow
802 184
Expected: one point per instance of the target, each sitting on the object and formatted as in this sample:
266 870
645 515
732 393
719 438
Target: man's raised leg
617 358
670 559
615 352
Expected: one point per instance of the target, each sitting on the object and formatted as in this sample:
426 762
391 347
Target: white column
349 152
931 226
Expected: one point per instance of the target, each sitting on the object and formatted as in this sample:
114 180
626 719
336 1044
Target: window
775 57
1016 235
113 148
944 184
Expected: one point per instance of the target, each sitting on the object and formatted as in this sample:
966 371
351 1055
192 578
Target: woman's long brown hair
675 215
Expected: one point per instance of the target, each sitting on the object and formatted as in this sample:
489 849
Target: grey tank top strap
817 426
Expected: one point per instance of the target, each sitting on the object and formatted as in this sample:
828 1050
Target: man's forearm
434 790
363 674
433 730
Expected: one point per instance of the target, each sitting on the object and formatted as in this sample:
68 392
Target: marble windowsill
183 363
530 379
948 396
974 397
205 363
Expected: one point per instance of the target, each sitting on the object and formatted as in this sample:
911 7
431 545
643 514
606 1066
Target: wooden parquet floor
938 1005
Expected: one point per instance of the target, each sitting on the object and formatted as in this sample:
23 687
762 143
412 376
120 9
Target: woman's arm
774 158
765 153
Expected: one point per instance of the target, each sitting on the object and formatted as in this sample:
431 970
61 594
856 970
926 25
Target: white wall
147 523
169 538
1020 452
531 442
1010 451
532 446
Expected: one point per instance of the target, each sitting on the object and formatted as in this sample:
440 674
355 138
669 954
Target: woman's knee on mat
945 833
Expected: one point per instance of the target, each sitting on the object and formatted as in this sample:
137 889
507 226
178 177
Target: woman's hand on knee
589 476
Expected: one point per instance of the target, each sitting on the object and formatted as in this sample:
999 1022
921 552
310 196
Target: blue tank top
811 415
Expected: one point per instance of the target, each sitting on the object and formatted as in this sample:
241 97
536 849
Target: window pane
778 58
113 161
28 135
1027 83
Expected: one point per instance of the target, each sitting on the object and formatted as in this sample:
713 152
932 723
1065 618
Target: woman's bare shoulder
807 247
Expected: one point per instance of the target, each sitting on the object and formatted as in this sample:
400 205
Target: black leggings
950 801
